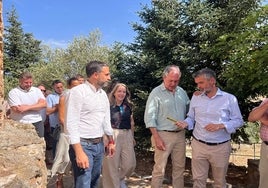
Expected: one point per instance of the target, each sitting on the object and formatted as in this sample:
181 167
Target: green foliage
21 50
227 36
246 66
252 131
65 63
185 33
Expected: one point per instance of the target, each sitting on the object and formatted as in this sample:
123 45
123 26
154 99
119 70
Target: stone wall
22 156
1 62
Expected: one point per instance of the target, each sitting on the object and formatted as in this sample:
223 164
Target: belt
175 131
122 129
211 143
91 140
266 142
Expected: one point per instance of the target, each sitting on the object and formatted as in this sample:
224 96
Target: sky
57 22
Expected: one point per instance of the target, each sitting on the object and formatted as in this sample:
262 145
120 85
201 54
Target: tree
21 50
65 63
246 68
184 33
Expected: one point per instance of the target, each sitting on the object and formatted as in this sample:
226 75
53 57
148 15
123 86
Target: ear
213 81
96 74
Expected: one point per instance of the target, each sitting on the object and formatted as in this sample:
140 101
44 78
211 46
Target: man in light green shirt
167 103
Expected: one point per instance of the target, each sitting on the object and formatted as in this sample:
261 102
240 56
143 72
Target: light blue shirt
53 100
161 104
221 108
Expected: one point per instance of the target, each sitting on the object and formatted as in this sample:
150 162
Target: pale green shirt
161 104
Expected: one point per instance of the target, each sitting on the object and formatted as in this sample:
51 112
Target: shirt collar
25 91
218 93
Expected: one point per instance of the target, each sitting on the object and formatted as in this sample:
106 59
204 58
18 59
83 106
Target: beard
102 84
26 88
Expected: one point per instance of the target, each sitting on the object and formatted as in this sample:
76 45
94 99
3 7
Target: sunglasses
43 90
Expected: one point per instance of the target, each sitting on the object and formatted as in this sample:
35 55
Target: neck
213 92
118 103
94 84
25 89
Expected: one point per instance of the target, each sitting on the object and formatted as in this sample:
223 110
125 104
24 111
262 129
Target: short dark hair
56 82
94 66
70 80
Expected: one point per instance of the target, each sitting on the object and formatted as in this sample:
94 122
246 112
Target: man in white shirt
87 112
26 103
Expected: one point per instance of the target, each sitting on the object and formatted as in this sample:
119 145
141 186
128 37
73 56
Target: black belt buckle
91 140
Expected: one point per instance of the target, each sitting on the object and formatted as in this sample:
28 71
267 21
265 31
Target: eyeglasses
43 90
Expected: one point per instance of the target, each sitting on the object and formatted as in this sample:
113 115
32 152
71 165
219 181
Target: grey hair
206 72
171 68
25 75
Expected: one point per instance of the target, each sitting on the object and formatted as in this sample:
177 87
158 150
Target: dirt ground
237 175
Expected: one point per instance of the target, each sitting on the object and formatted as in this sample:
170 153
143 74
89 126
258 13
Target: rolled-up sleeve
151 111
107 120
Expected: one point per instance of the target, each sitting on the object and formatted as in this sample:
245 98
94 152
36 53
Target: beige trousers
123 163
263 166
175 146
204 155
61 162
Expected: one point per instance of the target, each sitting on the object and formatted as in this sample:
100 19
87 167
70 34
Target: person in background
80 78
43 110
46 125
260 114
87 113
213 116
122 165
25 103
62 160
52 112
167 101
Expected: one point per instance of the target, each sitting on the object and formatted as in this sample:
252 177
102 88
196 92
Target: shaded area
237 176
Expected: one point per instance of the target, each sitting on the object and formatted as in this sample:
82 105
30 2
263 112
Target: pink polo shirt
264 128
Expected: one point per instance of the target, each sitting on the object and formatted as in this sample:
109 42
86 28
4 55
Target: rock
22 156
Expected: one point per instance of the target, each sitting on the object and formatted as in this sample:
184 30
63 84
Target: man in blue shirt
52 111
213 115
166 102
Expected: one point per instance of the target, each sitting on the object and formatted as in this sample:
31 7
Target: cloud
56 43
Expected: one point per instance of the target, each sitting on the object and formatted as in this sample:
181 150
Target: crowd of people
92 132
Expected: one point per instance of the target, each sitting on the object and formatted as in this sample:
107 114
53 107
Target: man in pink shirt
260 113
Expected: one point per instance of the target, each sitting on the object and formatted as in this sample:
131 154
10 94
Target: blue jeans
88 178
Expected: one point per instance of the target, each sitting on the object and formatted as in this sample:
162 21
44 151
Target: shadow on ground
237 175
